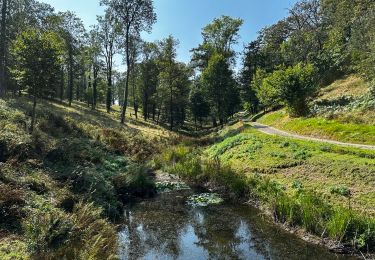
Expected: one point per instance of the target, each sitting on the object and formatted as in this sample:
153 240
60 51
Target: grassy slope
74 158
317 166
353 124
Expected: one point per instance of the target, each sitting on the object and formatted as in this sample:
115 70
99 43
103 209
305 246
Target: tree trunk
70 74
153 111
109 88
126 94
94 86
135 103
62 83
171 107
33 113
3 48
214 123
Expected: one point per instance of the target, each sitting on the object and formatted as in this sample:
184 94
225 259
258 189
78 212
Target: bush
136 182
12 201
293 86
47 232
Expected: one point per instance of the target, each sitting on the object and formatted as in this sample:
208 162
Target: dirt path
273 131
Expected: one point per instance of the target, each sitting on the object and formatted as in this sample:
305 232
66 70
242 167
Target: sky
184 19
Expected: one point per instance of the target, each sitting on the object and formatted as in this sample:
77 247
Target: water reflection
167 228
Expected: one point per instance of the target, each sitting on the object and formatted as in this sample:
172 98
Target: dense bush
136 182
293 86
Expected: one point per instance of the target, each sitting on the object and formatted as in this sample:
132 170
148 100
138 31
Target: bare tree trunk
126 94
62 83
70 73
34 112
94 86
3 48
135 103
109 91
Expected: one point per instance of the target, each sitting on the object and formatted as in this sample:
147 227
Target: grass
343 111
62 187
352 86
322 128
326 189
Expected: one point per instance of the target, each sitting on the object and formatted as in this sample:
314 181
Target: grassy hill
62 187
344 111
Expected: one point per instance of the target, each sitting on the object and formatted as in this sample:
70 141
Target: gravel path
273 131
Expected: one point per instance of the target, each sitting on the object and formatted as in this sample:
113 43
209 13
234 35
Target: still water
167 227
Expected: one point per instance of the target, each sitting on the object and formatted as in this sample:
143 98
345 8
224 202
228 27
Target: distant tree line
53 56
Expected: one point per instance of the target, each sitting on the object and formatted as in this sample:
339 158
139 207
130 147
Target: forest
81 140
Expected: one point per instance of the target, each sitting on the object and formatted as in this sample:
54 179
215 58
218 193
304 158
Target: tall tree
108 35
218 37
220 87
134 16
73 32
4 9
168 70
135 49
94 50
149 77
39 63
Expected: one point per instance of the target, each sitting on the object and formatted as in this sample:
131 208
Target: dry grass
352 86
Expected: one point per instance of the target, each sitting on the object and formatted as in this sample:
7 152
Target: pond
169 227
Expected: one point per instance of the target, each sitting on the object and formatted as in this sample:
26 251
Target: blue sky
184 19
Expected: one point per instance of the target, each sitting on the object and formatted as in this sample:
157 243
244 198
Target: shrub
293 86
47 232
12 201
136 182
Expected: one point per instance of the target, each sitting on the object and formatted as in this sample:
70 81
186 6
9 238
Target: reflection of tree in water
218 233
155 226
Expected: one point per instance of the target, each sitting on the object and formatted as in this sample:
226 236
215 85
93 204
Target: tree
73 31
149 78
294 86
135 46
218 37
220 86
168 73
39 62
198 104
3 29
134 16
266 93
108 36
252 61
94 50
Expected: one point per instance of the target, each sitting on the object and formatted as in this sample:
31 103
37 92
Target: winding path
273 131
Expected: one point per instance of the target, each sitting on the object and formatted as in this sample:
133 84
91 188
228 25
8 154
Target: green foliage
340 190
204 199
265 92
220 87
136 182
38 57
294 86
199 106
46 232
